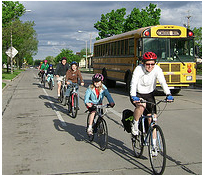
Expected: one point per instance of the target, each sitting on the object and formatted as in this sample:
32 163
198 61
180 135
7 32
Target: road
38 137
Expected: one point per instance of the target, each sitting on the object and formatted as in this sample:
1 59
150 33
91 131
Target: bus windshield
170 50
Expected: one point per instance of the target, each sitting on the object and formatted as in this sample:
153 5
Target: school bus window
100 53
126 46
118 47
131 46
114 48
108 49
103 50
98 50
122 47
95 52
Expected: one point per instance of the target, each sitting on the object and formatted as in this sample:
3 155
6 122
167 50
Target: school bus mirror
196 50
139 45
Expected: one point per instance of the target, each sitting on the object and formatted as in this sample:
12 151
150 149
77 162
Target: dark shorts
148 97
92 109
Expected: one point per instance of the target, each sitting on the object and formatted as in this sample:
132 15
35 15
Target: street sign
13 50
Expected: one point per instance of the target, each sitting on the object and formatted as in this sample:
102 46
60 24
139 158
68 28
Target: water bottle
154 118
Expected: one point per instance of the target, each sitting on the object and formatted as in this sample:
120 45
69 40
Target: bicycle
99 126
62 98
50 82
157 153
43 78
73 105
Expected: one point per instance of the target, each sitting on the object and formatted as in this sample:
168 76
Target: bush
199 69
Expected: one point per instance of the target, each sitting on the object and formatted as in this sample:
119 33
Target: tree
114 23
11 11
198 39
24 39
68 54
111 23
37 62
146 17
50 60
83 52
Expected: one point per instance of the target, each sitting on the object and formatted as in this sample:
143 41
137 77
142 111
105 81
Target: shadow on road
115 145
55 104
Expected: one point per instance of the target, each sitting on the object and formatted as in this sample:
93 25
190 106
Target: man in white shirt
143 84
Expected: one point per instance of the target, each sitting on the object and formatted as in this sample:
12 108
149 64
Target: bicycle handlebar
164 100
103 106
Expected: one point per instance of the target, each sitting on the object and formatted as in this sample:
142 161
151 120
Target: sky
57 22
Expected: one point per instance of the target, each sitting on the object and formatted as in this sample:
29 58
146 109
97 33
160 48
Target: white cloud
57 22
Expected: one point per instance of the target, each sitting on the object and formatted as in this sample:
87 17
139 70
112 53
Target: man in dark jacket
60 73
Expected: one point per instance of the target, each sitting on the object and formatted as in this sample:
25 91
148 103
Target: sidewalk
9 89
8 82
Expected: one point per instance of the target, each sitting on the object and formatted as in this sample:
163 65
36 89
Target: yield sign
11 52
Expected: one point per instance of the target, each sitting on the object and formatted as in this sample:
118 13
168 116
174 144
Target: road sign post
11 52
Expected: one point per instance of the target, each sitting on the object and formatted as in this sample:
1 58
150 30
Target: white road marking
55 110
54 107
61 118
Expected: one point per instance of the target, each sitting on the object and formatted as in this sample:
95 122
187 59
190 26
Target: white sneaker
90 131
155 152
134 128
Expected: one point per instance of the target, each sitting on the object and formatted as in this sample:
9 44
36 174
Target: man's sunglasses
150 64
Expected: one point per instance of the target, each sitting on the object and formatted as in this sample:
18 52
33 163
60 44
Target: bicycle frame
73 92
145 143
153 122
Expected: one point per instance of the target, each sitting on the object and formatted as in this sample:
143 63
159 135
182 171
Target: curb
9 81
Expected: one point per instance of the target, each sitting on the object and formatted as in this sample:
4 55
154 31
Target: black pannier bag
127 118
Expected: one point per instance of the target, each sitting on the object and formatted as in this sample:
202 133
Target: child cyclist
50 74
72 76
94 96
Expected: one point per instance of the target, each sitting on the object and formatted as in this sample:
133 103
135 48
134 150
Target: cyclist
143 84
50 74
72 76
60 73
39 68
94 95
44 68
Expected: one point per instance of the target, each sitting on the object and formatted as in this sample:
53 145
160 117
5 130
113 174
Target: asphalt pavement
40 138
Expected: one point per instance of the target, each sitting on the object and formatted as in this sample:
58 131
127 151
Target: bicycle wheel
157 153
137 144
63 98
91 137
44 80
102 134
61 95
50 85
74 105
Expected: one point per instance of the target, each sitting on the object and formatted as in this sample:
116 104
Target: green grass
83 70
9 76
3 85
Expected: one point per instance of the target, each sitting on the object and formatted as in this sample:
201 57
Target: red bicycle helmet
149 56
97 77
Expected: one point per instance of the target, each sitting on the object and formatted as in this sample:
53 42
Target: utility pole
188 19
11 48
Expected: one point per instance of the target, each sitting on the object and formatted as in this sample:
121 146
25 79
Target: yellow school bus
116 57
